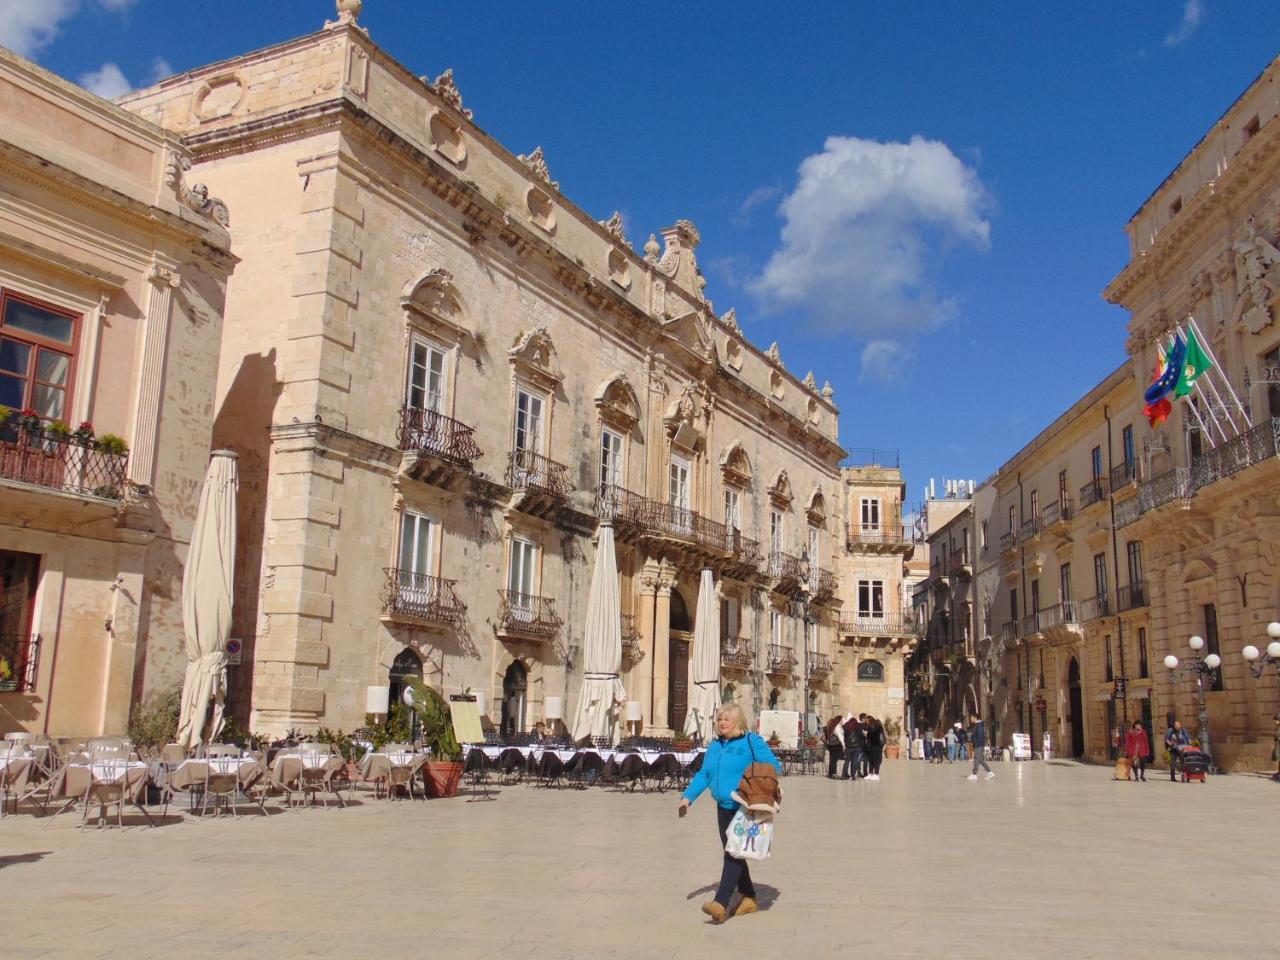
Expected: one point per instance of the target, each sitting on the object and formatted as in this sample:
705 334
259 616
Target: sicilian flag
1173 370
1194 364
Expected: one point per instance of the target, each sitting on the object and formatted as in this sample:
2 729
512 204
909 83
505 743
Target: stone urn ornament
349 10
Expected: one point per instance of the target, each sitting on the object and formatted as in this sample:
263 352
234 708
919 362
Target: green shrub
155 723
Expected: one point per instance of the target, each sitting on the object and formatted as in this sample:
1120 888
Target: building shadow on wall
243 424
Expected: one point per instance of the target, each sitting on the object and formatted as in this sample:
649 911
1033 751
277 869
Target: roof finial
349 10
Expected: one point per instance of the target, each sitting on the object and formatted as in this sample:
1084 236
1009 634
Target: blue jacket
725 763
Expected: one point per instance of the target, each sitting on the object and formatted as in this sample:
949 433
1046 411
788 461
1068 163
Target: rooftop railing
871 457
425 431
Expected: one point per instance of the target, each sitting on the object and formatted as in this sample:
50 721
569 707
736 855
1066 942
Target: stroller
1195 764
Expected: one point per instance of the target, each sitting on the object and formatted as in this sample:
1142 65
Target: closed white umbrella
206 601
602 694
704 665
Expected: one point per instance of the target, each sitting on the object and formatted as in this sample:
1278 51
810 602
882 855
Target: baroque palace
1059 587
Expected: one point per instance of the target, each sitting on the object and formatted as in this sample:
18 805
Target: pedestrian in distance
733 750
953 743
854 744
875 747
978 740
864 768
833 738
1136 748
962 742
1175 741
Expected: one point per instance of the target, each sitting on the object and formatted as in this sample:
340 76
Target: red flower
85 427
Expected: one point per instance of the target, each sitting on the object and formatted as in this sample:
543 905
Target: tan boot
746 905
715 911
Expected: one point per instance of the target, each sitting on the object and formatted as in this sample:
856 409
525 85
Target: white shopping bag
750 835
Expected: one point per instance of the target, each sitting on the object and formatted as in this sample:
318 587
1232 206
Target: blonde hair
738 716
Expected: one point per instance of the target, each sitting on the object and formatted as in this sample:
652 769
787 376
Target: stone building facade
113 268
440 374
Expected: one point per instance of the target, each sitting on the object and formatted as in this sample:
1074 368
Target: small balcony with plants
50 455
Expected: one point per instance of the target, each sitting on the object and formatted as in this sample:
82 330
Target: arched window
871 671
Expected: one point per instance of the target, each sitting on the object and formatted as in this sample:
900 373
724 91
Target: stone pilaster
146 420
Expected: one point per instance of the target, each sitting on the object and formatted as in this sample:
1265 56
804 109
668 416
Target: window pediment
817 509
780 489
534 355
617 402
735 465
433 303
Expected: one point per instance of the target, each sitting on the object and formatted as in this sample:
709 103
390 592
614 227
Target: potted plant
774 740
29 420
7 682
83 433
892 734
444 768
58 429
111 444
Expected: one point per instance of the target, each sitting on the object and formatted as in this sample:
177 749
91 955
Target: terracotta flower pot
443 778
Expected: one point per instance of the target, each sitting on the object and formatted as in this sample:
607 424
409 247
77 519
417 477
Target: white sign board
1022 746
785 723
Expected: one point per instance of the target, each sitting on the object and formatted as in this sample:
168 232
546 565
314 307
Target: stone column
642 674
662 655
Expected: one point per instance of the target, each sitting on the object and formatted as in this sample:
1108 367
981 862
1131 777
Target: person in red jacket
1136 747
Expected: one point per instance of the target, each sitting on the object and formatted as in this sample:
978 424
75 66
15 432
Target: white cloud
160 69
884 361
117 5
1192 15
107 81
756 198
28 25
863 233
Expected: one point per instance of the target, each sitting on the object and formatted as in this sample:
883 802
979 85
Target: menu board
466 721
785 723
1022 746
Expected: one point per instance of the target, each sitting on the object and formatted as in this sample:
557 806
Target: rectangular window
1035 504
1272 372
1144 669
611 471
1108 666
522 573
870 514
1013 605
870 598
1095 462
777 530
427 366
1130 456
1064 583
815 558
730 614
982 535
1100 575
417 544
775 627
530 425
37 346
1019 655
1211 641
1035 597
1134 550
1062 490
678 485
732 509
1013 519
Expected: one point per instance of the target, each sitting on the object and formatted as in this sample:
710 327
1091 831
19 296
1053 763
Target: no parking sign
234 647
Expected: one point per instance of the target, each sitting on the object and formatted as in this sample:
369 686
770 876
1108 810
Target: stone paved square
1048 860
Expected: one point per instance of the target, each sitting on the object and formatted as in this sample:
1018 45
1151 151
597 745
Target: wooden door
678 692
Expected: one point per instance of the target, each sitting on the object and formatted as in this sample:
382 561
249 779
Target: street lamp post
1258 663
1202 667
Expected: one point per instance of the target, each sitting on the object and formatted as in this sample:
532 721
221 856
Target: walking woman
727 758
875 747
1137 747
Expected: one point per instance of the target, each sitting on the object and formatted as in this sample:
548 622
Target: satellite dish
407 696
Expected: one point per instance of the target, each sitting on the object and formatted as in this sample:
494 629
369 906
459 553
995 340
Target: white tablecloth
109 771
221 764
493 752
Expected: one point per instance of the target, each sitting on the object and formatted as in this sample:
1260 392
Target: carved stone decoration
1256 260
534 354
447 90
537 162
614 228
810 381
683 414
434 301
780 489
828 391
617 402
817 509
349 10
651 249
774 353
730 320
196 197
735 465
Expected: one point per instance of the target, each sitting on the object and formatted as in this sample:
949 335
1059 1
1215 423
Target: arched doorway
405 667
515 693
1076 701
681 625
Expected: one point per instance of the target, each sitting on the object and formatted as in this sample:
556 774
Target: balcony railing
819 665
869 535
421 598
784 567
427 432
1132 596
1031 625
531 471
1055 513
666 520
782 660
822 583
959 565
1093 492
1123 474
1096 607
632 650
1009 631
60 462
19 655
736 653
1030 528
526 615
1128 511
1008 540
855 624
1058 615
871 457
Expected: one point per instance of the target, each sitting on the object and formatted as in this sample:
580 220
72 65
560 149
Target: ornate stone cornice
196 197
613 226
537 162
447 90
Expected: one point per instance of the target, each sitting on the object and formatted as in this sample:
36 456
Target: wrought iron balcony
632 650
1123 474
640 515
822 584
535 473
1030 529
1009 631
620 505
878 537
786 569
1096 607
1095 491
424 431
57 461
1058 615
1056 513
1238 453
819 665
782 660
1008 541
1031 626
19 655
420 598
736 653
1133 596
853 624
871 457
525 616
959 565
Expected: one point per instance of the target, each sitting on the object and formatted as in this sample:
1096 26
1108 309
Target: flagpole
1195 411
1213 417
1226 381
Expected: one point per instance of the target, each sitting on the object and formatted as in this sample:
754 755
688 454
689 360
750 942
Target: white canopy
704 665
602 694
206 601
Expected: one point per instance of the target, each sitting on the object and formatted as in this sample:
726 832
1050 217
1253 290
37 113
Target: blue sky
921 202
